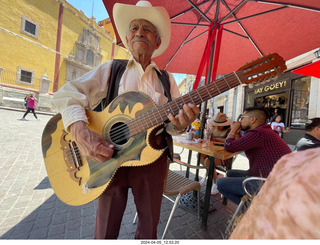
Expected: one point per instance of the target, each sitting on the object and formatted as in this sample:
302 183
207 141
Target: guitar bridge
72 157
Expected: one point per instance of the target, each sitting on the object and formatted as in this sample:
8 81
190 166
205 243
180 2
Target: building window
90 57
300 102
29 27
25 76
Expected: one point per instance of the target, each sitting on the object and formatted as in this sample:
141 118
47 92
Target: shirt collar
133 62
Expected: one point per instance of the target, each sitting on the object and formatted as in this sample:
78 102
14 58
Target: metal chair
178 185
245 199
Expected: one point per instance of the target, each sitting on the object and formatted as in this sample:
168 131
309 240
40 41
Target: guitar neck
202 94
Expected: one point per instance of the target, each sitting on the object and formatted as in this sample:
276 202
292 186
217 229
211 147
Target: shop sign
271 87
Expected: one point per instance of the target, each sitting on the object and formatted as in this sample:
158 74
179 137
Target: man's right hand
91 145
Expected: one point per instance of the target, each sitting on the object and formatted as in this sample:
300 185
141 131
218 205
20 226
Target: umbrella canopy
312 69
250 28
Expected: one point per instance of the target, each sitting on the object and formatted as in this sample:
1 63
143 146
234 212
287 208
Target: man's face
142 38
245 121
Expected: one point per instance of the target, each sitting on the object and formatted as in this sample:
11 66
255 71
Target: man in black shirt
311 138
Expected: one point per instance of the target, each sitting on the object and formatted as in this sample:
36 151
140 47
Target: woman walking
30 107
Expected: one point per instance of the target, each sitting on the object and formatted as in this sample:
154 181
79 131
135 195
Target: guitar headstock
262 69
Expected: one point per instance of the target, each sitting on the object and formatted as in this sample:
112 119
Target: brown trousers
147 187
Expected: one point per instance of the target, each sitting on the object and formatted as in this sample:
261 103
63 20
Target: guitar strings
118 135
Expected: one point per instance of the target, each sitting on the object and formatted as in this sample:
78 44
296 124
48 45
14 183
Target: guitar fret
226 82
191 98
160 114
199 95
208 92
237 77
172 111
177 105
217 87
155 117
183 100
150 120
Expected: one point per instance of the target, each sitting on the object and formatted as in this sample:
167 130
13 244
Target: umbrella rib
184 42
234 16
254 15
235 33
287 5
200 12
189 24
195 37
188 10
234 9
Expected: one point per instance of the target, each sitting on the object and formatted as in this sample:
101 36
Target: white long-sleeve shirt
87 91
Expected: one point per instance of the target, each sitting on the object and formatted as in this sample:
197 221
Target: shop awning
312 69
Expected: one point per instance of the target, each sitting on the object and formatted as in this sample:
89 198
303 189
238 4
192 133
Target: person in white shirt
278 126
145 31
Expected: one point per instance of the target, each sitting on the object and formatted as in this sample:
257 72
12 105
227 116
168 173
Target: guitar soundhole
119 133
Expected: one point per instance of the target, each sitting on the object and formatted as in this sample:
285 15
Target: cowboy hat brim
124 14
227 123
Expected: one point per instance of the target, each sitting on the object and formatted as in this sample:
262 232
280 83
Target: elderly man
145 31
311 138
263 148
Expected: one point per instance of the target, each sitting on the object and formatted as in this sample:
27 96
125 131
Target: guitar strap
117 69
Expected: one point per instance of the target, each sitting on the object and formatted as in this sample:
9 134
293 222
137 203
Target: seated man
311 138
263 148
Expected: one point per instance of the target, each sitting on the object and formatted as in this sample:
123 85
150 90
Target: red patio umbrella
312 69
250 28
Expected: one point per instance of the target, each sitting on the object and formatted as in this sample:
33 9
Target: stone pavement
29 209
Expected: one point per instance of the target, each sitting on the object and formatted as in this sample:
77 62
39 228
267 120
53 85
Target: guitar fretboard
202 94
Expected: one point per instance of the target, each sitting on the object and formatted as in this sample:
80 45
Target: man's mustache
140 39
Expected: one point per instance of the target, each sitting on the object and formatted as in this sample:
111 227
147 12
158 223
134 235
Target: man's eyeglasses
240 118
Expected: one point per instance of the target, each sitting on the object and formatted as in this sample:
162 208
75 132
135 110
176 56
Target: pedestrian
31 105
145 30
262 146
311 138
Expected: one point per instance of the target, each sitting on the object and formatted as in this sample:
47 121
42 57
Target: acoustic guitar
130 122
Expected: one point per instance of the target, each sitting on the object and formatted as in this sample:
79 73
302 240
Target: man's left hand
186 116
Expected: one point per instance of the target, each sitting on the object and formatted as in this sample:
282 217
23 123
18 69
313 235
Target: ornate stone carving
87 55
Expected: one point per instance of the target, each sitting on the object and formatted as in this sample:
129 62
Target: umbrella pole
204 107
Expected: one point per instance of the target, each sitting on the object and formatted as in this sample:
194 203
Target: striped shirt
263 148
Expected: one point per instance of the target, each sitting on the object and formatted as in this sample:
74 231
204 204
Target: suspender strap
117 69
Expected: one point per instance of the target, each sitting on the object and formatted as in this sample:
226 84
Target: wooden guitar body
77 181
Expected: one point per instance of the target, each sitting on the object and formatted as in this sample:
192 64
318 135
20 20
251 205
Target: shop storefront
289 96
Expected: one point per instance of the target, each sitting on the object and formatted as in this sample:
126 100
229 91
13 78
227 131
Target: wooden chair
178 185
245 200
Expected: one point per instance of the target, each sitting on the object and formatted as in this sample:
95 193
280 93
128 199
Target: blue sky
100 13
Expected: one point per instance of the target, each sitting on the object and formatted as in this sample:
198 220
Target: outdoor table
213 152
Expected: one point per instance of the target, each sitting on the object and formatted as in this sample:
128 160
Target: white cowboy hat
124 14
